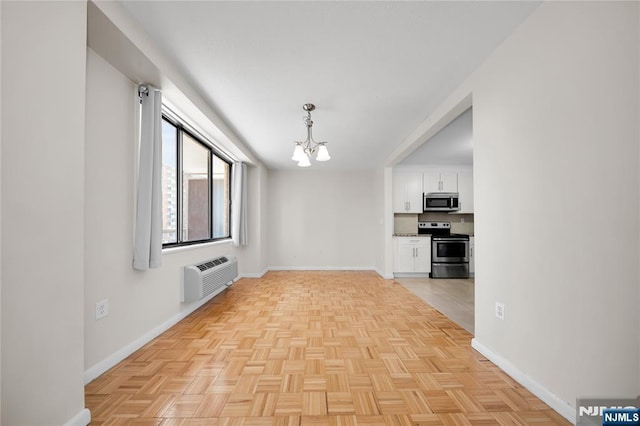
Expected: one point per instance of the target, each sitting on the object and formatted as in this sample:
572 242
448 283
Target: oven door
449 250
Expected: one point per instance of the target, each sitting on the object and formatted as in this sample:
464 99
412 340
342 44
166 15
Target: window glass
195 190
169 183
220 202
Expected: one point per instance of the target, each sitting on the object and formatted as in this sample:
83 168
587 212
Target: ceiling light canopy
304 150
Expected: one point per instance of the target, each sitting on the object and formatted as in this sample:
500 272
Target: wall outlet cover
102 308
500 310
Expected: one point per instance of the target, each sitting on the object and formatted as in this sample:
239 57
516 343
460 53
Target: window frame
183 128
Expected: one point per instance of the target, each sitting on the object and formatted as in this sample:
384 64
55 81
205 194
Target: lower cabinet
412 255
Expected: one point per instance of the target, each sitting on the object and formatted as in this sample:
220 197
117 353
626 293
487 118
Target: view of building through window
221 196
195 188
169 183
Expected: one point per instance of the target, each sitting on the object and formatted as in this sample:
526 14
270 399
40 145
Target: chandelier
304 150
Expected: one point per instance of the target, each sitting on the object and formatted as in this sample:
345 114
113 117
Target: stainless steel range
449 252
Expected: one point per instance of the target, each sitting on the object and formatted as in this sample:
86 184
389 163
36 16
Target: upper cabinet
407 192
440 181
409 186
465 189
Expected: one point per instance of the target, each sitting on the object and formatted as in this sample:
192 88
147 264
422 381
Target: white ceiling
453 145
374 69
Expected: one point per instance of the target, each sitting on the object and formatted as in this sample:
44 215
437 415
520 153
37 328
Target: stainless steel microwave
441 202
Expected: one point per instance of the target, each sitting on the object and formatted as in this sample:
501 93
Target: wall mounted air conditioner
211 276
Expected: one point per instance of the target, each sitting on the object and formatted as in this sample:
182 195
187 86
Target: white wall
0 215
43 93
321 219
555 131
378 212
555 113
139 302
252 258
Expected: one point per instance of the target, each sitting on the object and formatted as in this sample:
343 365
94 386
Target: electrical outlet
102 308
500 310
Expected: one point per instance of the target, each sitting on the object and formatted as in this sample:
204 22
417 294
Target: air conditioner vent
211 263
211 276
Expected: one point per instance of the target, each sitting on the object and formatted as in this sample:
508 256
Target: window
195 188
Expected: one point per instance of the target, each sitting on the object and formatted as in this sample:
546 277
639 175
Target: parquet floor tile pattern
313 348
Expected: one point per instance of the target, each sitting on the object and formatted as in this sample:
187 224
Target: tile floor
452 297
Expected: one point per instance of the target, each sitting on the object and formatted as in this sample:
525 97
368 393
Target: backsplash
405 223
408 223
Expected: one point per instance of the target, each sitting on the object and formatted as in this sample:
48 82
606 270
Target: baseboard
254 275
113 359
411 275
321 268
83 418
560 406
383 275
315 268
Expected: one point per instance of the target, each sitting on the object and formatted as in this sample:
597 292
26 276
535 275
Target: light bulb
323 154
304 161
298 153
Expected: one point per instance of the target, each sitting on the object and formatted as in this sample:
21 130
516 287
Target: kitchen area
433 207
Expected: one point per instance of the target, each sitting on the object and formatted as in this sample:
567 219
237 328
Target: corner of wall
42 373
638 138
0 212
388 222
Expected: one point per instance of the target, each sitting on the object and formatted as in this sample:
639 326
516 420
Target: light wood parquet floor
313 348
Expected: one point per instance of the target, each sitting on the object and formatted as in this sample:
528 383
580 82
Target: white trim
562 407
313 268
386 277
83 418
113 359
321 268
411 275
253 274
177 249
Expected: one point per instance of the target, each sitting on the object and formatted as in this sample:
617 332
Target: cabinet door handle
406 205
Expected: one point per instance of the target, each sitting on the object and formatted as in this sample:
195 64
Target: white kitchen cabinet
465 190
472 266
440 181
412 255
407 192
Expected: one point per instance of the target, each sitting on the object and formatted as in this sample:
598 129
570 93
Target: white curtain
239 204
147 251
